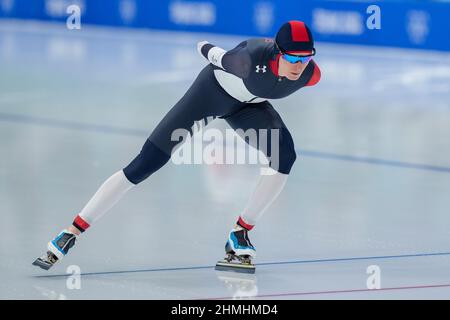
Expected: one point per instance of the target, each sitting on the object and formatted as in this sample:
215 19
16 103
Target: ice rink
371 185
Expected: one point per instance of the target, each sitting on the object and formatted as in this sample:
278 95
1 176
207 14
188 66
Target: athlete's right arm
236 61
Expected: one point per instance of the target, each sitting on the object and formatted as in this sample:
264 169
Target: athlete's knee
148 161
288 157
286 153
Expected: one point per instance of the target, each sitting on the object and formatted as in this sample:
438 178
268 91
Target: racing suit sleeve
236 61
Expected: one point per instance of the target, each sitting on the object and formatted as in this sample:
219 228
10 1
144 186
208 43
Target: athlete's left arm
315 76
236 61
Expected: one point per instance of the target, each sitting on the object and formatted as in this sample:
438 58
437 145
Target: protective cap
294 37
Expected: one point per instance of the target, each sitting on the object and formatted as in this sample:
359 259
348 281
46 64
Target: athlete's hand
200 45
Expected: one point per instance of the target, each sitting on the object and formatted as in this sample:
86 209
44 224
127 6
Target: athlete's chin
293 76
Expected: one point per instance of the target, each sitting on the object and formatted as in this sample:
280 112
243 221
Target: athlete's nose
298 66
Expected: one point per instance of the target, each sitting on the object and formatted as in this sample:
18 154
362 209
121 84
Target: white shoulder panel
235 87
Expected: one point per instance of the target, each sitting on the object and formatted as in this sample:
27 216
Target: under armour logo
263 69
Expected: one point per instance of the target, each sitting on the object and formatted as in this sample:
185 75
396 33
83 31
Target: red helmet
295 37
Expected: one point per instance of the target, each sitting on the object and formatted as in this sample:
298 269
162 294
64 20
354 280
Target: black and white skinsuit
234 86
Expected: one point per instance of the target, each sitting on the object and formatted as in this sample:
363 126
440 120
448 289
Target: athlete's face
292 71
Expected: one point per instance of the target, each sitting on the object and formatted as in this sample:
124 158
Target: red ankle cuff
244 225
80 224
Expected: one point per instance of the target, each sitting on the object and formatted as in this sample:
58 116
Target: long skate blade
224 265
42 264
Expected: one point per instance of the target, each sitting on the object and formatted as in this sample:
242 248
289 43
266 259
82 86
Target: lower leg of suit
263 116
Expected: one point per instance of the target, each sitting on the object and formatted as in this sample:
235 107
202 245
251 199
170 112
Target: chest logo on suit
259 68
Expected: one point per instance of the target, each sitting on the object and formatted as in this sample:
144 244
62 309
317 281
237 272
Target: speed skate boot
57 249
239 251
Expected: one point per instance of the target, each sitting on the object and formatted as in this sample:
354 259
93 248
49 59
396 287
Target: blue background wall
413 24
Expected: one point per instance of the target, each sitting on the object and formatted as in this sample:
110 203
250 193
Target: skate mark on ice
403 256
99 128
274 295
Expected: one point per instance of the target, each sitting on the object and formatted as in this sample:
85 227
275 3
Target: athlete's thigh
261 117
203 101
262 127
